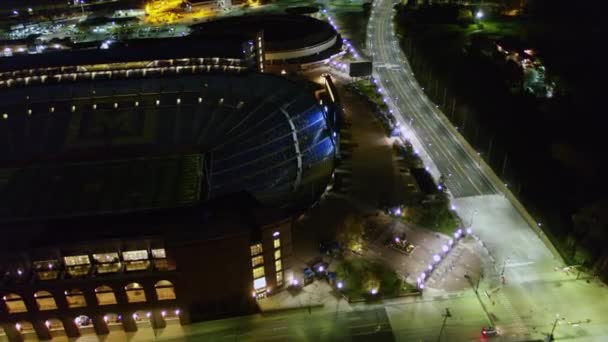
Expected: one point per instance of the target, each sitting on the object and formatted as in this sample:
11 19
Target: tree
370 280
350 232
590 228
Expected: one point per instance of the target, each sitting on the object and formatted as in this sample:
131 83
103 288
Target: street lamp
550 336
479 15
445 318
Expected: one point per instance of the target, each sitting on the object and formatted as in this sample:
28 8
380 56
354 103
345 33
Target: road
463 175
534 293
403 320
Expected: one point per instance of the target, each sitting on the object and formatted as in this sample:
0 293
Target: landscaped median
358 279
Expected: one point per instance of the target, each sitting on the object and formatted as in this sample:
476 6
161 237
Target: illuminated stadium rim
117 73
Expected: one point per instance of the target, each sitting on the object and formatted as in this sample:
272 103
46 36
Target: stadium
131 190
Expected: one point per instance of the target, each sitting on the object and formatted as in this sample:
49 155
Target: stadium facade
149 192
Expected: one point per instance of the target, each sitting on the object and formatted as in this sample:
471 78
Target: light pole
445 318
550 336
472 218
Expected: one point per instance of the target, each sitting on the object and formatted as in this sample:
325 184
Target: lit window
105 295
135 293
256 249
277 254
136 260
107 263
105 257
257 260
165 290
258 272
47 269
76 260
159 253
278 265
259 283
45 301
163 265
277 243
77 265
75 298
135 255
279 278
14 303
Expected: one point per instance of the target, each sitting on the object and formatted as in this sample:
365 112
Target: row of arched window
75 298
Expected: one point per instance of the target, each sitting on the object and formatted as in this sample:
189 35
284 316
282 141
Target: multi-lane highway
536 292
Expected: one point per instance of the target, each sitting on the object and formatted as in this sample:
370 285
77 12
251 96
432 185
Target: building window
277 243
259 283
277 254
14 303
257 260
160 260
75 298
107 263
77 265
76 260
258 272
256 249
135 255
159 253
47 269
103 258
105 295
45 301
135 293
136 260
280 278
165 290
278 265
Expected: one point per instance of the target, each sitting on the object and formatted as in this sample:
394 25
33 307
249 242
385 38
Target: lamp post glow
479 15
339 285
